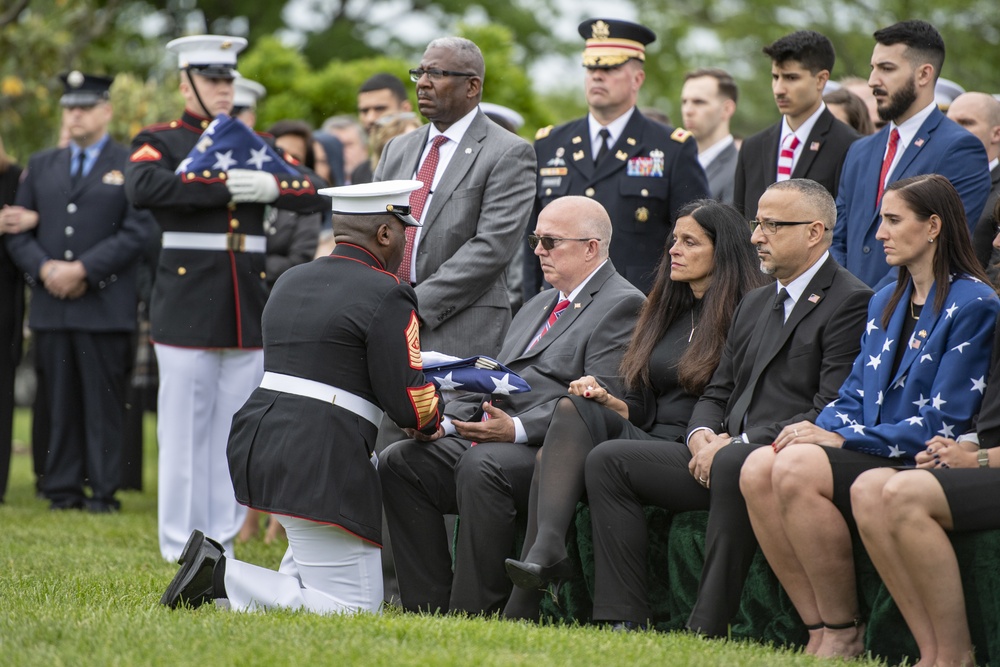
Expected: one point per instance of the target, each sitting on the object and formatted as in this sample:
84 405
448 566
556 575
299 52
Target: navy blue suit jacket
939 147
92 222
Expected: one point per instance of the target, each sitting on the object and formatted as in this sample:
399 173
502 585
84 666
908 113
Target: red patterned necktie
786 157
417 200
890 155
556 312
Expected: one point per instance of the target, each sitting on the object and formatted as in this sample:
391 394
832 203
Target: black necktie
603 150
772 329
77 172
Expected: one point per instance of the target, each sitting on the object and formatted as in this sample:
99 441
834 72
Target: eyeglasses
770 227
549 242
435 74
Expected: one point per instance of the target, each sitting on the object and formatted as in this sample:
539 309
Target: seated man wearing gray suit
481 467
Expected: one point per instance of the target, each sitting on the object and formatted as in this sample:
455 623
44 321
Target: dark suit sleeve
393 349
687 179
150 181
710 410
740 182
604 353
841 342
24 248
121 249
966 166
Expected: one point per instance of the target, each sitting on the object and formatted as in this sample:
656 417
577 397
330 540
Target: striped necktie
556 312
787 156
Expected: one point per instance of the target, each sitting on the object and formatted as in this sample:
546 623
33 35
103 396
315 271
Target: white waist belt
290 384
199 241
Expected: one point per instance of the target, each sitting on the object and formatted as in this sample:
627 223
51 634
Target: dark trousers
85 374
624 475
487 486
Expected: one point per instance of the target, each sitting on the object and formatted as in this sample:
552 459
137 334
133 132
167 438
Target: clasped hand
806 433
249 185
947 453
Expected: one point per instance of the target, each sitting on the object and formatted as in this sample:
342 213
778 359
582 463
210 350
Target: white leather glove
250 185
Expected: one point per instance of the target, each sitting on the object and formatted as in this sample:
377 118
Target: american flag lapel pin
814 146
577 305
918 143
814 298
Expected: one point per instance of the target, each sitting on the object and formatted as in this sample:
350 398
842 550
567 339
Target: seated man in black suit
788 350
578 328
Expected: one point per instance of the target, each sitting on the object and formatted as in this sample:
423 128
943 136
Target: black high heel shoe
533 576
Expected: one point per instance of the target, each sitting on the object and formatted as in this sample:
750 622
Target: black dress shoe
194 583
533 576
66 504
95 506
627 626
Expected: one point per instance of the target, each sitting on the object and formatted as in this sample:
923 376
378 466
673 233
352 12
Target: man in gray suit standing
708 102
480 467
479 186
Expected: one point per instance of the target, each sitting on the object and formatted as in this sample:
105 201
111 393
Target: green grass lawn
81 589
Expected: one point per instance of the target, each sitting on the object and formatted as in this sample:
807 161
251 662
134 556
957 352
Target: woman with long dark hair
676 346
921 372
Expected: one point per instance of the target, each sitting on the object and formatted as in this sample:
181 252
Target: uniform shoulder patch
413 342
680 134
145 153
543 132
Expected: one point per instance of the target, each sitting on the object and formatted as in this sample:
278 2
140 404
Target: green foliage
731 33
81 589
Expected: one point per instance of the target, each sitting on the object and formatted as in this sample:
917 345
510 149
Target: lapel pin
576 140
923 333
468 151
577 305
621 155
630 141
578 155
814 146
814 298
918 143
914 343
560 151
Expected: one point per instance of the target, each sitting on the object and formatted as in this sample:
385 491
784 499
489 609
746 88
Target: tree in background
731 33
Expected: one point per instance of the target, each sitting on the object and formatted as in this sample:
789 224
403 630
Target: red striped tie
417 200
556 312
890 155
786 156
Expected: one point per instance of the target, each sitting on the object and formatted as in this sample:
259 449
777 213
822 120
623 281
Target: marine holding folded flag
341 344
207 187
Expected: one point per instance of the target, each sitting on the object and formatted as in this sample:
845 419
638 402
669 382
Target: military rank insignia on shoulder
680 135
543 132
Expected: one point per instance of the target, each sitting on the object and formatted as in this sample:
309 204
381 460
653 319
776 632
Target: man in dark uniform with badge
210 289
642 172
341 344
80 261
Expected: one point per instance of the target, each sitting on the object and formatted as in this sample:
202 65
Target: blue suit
939 384
939 147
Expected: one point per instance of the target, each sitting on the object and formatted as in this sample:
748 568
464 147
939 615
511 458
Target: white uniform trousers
200 390
332 572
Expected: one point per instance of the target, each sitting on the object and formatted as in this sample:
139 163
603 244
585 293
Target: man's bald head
979 113
589 218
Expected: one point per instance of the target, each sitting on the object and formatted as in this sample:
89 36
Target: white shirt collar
615 128
994 163
908 129
805 129
798 286
713 151
456 130
579 288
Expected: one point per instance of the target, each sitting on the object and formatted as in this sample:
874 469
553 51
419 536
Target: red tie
890 155
786 157
417 200
556 312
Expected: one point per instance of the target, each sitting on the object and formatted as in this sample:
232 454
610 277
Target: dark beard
899 102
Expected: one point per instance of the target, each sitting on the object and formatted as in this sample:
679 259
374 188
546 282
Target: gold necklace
914 315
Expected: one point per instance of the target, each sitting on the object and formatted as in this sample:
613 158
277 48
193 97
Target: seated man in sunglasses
479 464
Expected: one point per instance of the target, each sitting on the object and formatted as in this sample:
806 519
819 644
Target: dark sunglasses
549 242
435 74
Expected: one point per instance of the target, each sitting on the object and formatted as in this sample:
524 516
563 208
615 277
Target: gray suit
488 484
721 174
474 222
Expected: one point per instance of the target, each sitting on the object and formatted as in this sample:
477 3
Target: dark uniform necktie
603 150
77 170
772 330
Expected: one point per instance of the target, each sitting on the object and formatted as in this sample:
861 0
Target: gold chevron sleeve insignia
413 342
425 404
